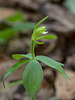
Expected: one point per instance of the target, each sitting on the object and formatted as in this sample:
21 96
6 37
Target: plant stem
32 49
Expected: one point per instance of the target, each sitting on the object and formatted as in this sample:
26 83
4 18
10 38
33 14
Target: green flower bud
39 31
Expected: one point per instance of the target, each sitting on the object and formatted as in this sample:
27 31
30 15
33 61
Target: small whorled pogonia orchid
33 75
39 31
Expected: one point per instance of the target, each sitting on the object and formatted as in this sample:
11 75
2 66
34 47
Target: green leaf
12 84
19 56
39 23
16 17
7 33
32 77
39 42
15 83
28 56
52 63
46 37
23 26
70 4
13 68
2 41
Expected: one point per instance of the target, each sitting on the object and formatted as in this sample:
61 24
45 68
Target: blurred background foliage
13 25
70 4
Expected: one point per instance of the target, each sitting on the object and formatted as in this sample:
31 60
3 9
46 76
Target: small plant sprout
33 74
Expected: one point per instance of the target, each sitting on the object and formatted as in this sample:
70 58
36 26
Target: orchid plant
33 74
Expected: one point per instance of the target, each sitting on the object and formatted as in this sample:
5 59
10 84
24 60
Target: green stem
32 49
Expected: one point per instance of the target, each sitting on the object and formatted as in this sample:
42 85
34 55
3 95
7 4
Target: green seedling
33 74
